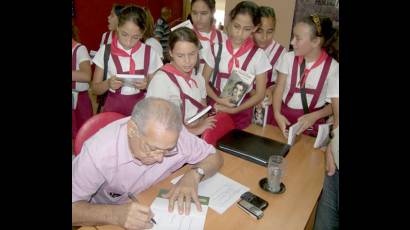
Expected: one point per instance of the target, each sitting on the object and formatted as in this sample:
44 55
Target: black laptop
251 147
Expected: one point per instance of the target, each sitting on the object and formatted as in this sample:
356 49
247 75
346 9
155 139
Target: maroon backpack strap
147 56
292 89
74 63
183 96
272 62
117 63
321 83
219 36
249 57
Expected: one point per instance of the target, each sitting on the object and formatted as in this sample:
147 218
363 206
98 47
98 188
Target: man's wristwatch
200 171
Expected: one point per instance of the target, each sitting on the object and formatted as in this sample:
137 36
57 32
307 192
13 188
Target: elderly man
130 155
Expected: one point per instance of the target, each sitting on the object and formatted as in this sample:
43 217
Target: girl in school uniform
239 51
263 38
112 24
128 56
179 80
306 69
80 76
202 17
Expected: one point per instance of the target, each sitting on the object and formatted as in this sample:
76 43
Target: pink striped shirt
105 170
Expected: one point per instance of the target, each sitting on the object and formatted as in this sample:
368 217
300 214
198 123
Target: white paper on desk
292 133
174 221
222 191
322 135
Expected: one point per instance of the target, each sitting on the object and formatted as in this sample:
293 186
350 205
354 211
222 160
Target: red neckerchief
306 72
203 38
187 77
120 52
245 47
73 43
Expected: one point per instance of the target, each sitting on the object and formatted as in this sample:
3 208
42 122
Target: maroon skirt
82 113
116 102
293 114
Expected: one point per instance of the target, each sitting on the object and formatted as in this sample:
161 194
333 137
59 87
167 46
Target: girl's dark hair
267 12
117 8
74 32
322 27
209 3
149 30
135 14
247 7
184 34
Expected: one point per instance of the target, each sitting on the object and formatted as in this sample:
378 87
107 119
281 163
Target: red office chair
91 126
223 125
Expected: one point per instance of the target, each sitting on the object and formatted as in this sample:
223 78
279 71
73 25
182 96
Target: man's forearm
86 214
211 164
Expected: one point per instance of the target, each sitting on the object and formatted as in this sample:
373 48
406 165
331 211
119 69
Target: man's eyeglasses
150 150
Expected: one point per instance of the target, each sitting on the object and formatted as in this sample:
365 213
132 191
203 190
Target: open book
238 85
186 23
199 115
322 138
173 220
260 114
128 81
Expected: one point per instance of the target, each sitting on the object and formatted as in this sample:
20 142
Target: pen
132 197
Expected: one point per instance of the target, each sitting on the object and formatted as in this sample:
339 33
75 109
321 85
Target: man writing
130 155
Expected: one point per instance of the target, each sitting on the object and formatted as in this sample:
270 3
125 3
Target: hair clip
316 20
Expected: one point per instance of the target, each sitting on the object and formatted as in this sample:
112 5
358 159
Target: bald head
159 111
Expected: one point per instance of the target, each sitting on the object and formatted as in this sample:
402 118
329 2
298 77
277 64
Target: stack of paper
222 191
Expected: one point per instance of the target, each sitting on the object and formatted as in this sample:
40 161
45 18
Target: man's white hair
159 110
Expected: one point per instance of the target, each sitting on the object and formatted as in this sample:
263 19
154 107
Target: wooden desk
291 210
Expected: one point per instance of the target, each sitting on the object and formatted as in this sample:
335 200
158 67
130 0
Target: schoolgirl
238 51
179 80
127 56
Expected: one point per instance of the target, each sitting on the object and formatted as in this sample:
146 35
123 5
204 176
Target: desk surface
303 178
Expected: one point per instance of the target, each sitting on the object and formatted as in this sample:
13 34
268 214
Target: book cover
186 23
238 85
292 133
128 80
260 114
322 137
199 115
